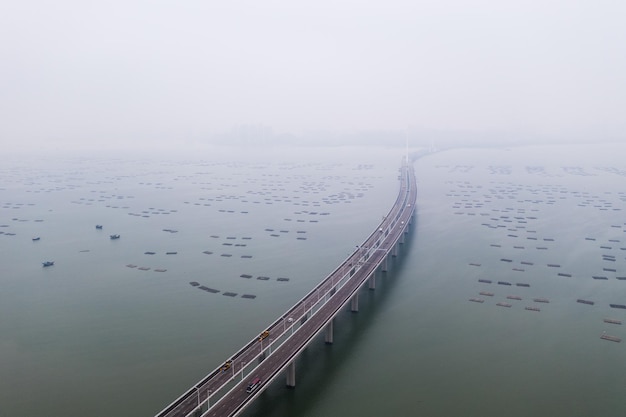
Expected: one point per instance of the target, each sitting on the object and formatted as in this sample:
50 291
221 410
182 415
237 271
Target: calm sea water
93 336
421 348
114 327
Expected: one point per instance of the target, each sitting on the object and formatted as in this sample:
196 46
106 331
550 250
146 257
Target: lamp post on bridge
208 398
290 320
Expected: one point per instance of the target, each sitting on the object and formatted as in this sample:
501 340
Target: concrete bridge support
354 303
328 338
291 374
372 258
384 264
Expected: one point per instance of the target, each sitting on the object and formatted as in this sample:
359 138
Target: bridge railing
351 260
406 213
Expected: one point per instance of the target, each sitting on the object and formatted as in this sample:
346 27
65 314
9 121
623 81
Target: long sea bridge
226 391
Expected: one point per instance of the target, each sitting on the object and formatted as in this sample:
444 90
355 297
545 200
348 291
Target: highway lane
281 357
338 288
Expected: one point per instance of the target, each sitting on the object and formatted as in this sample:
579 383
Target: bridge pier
291 374
372 281
354 303
384 264
394 250
328 338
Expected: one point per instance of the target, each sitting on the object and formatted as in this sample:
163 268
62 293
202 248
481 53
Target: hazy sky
111 71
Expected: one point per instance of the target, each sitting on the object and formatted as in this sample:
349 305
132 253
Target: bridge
225 391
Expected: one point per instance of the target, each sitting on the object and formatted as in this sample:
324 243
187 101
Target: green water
91 336
418 347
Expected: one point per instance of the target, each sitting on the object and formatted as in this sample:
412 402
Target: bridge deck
223 391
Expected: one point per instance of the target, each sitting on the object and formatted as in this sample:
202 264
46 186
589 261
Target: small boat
36 239
48 263
114 236
98 226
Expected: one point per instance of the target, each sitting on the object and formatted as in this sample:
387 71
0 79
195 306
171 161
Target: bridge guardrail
396 210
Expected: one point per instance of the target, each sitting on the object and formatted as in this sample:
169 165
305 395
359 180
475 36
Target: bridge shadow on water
320 362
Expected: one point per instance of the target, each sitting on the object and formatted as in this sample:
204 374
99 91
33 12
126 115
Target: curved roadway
294 329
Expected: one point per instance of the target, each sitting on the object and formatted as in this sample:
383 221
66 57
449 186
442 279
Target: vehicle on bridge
226 365
253 385
306 318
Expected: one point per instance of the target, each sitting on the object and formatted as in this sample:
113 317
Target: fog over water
145 74
243 148
479 313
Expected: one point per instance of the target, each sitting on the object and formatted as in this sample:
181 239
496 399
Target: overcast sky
129 71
